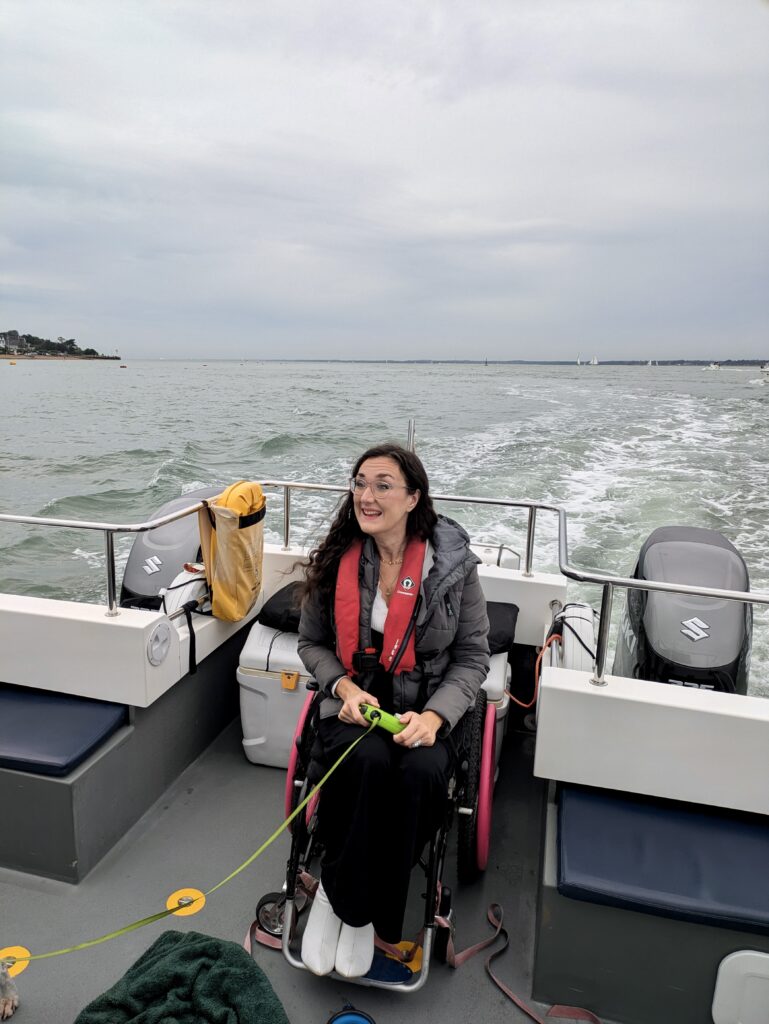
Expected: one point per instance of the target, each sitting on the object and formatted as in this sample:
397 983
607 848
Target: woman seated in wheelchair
393 616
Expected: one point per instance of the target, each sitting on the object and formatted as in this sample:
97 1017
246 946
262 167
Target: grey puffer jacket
452 648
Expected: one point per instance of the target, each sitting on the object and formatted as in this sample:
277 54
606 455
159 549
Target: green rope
187 902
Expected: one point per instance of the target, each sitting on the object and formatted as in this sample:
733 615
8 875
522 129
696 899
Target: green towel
189 978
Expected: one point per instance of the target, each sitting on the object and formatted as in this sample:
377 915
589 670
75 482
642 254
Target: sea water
624 449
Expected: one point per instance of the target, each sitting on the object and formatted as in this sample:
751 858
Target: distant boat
594 361
123 366
712 366
13 362
578 362
765 368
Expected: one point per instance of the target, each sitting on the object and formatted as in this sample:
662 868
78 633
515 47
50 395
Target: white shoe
320 937
355 951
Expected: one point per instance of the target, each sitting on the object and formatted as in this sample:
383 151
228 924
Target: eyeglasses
381 488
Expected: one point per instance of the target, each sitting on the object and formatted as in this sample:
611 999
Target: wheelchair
470 792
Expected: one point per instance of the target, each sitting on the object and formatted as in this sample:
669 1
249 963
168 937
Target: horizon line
747 361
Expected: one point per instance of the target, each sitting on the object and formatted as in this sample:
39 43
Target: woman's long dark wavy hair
324 560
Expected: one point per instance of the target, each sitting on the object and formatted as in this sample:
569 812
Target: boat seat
664 857
52 733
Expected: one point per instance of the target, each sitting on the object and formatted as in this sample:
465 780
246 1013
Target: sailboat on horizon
594 361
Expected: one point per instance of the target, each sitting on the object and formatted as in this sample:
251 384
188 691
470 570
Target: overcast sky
387 178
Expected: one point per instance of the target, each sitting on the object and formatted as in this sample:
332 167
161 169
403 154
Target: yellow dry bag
232 541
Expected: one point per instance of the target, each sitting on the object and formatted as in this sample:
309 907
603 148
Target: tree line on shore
14 343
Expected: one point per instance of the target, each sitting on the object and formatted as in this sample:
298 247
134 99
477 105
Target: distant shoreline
724 364
60 359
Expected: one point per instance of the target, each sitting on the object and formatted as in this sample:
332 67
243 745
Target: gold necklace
392 561
387 588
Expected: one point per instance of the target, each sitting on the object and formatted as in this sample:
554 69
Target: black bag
283 610
502 620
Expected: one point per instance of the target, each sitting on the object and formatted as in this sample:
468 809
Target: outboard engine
158 556
684 640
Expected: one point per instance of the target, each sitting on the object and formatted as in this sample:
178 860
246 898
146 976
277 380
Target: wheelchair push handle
382 718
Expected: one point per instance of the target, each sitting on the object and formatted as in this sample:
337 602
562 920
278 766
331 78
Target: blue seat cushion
664 857
51 733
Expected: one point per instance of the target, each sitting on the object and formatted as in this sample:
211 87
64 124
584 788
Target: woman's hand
420 730
352 696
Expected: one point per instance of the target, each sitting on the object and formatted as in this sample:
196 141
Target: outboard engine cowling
684 640
158 556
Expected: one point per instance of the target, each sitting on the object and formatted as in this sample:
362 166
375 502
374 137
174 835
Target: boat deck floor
214 816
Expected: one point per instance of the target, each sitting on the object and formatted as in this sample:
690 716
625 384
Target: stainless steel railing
287 486
607 581
109 530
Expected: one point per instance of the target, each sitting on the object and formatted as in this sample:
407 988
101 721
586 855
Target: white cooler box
272 692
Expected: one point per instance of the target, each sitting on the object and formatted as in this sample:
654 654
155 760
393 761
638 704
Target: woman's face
382 514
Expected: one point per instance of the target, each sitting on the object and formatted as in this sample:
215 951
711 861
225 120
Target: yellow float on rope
185 902
414 963
17 957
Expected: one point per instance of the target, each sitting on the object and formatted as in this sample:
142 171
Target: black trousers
376 813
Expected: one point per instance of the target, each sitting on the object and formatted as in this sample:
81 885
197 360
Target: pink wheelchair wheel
294 754
486 788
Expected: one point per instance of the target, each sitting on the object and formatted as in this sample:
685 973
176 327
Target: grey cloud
427 177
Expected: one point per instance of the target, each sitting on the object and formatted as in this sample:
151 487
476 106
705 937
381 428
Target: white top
378 612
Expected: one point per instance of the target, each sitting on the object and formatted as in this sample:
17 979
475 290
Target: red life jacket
399 610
